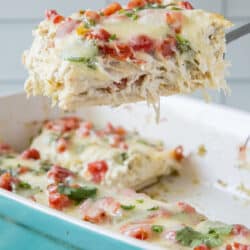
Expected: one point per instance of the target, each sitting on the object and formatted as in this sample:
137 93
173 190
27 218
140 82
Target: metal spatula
237 33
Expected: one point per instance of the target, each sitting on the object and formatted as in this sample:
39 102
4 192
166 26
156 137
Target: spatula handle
237 33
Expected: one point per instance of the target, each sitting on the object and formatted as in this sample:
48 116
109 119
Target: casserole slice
108 156
171 226
126 54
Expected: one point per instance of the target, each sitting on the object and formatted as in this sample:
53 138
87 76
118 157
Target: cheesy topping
37 175
126 54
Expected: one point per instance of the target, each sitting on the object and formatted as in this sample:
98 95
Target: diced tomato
59 174
50 14
85 129
168 47
202 247
23 170
62 145
186 208
31 154
58 19
154 1
101 210
138 231
229 247
62 125
111 9
110 129
124 52
240 230
239 246
5 148
53 16
175 20
178 153
67 27
100 34
6 181
142 43
186 5
59 201
136 4
92 15
98 170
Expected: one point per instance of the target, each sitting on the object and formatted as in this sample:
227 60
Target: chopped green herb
90 62
88 23
182 44
157 228
140 201
121 158
45 166
77 194
132 15
175 8
23 185
213 238
153 208
113 37
128 207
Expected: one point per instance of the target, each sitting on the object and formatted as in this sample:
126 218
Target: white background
18 18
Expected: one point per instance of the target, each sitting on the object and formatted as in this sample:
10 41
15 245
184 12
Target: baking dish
183 121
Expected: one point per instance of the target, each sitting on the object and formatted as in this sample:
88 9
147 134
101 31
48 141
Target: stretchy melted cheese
127 54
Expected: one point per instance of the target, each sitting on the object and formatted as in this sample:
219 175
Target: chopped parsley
133 14
153 208
121 158
23 185
113 37
157 228
88 23
213 238
183 44
77 194
140 201
90 62
128 207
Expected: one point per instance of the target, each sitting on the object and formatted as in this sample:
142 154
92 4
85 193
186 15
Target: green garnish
90 62
121 158
23 185
113 37
88 23
183 44
157 228
175 8
140 201
77 194
213 238
153 208
128 207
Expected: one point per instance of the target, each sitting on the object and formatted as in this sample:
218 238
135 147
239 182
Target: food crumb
242 188
222 183
202 150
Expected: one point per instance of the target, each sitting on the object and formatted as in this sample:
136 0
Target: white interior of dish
183 122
